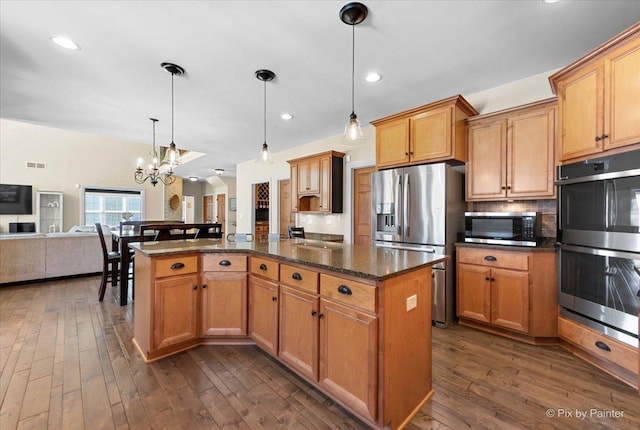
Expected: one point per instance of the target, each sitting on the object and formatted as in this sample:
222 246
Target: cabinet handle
343 289
603 346
296 276
204 286
176 266
410 152
503 187
320 316
487 279
274 298
313 313
263 266
604 136
195 287
508 187
224 263
493 279
490 258
406 153
598 138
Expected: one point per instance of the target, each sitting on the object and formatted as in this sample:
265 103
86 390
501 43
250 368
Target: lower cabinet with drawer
508 292
263 303
168 287
224 295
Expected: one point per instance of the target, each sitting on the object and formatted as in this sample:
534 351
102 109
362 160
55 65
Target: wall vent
36 165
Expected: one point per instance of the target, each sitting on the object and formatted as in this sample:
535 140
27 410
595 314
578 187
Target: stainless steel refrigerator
421 208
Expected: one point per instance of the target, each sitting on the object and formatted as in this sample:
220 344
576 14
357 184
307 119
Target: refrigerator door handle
399 207
407 208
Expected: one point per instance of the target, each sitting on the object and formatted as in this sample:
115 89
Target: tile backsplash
548 208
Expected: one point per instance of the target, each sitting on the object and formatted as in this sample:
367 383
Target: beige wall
73 160
505 96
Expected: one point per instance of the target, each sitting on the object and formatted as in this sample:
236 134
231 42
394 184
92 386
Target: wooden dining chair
296 232
110 264
207 230
163 231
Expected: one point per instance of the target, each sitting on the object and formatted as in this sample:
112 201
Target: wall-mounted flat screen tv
16 199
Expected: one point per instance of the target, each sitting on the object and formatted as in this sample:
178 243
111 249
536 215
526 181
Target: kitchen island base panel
532 340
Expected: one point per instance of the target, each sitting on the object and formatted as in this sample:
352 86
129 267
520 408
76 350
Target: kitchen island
353 321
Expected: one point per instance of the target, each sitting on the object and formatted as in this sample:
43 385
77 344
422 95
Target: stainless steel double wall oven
599 236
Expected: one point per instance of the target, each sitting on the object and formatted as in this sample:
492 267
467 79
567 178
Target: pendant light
152 172
265 154
353 14
172 155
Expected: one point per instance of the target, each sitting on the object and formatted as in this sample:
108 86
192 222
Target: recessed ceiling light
193 178
286 116
550 1
373 77
65 42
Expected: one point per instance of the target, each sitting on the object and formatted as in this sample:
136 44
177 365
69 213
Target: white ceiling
425 50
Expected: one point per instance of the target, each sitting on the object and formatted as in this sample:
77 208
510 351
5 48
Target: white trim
82 188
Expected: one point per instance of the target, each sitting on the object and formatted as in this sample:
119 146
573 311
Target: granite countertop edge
547 245
166 248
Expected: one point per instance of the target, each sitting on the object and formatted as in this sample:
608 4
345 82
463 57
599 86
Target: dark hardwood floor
68 362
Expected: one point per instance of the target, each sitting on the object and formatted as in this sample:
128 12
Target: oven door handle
599 251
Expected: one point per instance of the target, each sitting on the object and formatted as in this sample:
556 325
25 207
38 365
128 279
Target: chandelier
152 171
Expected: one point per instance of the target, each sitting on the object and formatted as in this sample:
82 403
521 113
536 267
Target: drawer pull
490 258
224 263
343 289
176 266
195 287
487 279
313 313
274 298
320 316
603 346
204 286
263 266
296 276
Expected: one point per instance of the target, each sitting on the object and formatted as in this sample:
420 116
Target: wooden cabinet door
298 341
392 143
622 96
263 313
309 176
175 310
486 166
325 184
348 357
580 100
474 292
224 304
430 135
530 154
294 188
510 299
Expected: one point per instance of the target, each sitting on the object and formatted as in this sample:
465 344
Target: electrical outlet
412 302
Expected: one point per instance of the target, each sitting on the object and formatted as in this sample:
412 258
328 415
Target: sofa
40 256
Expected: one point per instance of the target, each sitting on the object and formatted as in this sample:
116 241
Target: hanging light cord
353 67
265 111
172 106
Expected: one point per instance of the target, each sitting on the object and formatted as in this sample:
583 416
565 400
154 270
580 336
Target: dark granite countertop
367 262
327 237
548 245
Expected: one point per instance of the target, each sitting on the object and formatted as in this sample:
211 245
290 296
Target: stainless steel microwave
503 228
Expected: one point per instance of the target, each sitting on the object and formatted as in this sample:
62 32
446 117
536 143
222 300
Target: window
107 206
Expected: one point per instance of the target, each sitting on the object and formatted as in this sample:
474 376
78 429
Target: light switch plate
412 302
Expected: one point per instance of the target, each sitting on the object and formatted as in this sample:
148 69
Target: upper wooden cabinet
598 98
511 153
316 183
433 132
